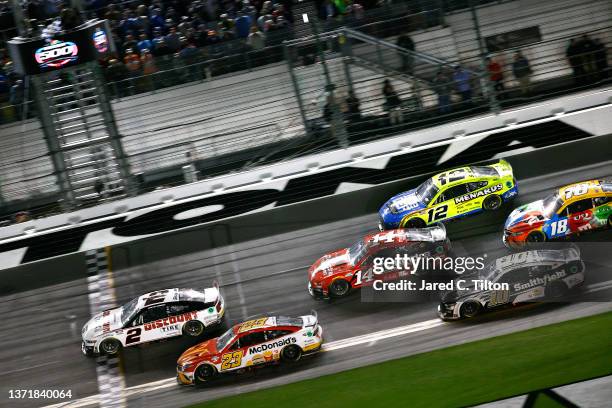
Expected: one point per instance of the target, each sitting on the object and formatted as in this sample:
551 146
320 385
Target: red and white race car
337 273
154 316
253 343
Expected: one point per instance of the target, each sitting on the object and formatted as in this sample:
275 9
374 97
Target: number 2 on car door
231 360
437 213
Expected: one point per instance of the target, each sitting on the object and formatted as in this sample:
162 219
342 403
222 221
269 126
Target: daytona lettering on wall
299 189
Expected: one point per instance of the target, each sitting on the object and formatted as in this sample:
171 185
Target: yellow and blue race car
451 194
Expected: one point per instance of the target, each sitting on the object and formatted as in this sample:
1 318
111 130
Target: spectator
405 41
462 80
601 59
144 44
264 14
393 103
173 40
352 104
148 68
574 59
496 74
443 89
99 187
156 22
115 73
129 44
22 216
70 18
257 39
522 72
132 63
586 49
159 44
243 24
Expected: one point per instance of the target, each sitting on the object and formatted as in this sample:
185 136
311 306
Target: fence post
346 58
296 86
486 86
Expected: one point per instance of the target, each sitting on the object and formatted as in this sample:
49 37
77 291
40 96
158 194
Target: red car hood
333 262
199 351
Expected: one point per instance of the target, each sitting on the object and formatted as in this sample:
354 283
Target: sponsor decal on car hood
330 261
407 201
528 214
102 323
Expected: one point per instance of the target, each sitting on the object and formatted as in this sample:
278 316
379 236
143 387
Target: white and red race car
152 317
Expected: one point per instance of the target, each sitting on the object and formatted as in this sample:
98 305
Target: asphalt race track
41 344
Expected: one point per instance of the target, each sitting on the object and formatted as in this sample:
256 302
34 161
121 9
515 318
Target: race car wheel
339 288
415 223
556 290
204 373
110 347
536 236
492 203
470 309
291 353
193 328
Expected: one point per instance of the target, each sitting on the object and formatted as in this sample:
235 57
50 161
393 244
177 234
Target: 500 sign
56 55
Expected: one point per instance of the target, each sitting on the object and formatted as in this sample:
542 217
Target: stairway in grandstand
80 122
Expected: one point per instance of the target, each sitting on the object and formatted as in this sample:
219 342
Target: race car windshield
426 191
551 204
357 251
223 340
128 310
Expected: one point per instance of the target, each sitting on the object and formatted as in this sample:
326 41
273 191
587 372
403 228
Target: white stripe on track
331 346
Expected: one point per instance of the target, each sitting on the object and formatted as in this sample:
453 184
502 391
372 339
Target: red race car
337 273
254 343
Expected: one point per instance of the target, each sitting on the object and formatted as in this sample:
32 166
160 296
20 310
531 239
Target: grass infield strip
456 376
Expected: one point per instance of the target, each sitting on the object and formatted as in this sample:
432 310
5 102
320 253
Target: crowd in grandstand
163 35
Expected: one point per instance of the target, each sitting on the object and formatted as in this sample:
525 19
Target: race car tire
535 237
339 288
193 328
555 290
415 223
110 347
204 373
470 309
291 353
492 203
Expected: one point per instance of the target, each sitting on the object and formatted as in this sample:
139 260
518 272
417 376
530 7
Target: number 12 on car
437 213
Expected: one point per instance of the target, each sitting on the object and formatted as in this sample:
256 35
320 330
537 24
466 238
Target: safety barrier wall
483 138
271 221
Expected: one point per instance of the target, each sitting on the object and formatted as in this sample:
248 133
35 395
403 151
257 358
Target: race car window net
357 252
551 204
224 339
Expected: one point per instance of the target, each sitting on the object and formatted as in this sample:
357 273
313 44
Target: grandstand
226 106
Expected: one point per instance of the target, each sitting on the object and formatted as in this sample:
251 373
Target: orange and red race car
337 273
250 344
572 209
